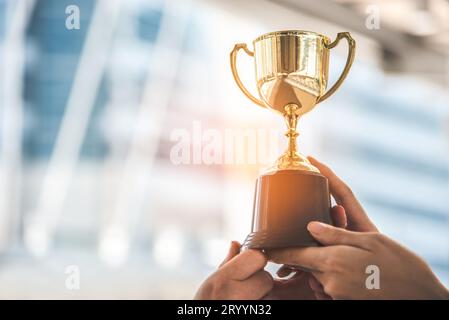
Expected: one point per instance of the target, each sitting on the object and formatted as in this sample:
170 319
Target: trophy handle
233 57
349 60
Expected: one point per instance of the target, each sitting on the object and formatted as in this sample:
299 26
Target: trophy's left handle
239 82
349 61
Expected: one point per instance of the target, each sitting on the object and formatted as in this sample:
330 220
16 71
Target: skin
354 218
256 283
241 276
339 266
298 286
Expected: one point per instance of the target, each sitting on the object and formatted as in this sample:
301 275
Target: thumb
234 250
329 235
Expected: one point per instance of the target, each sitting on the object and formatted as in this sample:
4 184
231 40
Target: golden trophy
291 75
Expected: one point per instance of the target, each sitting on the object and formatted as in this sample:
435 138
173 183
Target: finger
245 264
338 216
322 296
318 289
357 218
256 286
234 250
295 288
329 235
311 258
315 285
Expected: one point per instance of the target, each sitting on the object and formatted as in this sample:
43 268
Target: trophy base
284 203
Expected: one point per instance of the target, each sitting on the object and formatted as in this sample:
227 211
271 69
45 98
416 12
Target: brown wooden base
284 203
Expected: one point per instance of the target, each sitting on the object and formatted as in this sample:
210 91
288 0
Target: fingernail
317 227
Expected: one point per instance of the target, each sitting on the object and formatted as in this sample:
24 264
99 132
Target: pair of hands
338 269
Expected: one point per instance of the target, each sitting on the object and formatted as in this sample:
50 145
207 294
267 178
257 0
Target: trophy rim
289 33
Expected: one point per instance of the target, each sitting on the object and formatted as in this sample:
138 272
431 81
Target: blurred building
87 122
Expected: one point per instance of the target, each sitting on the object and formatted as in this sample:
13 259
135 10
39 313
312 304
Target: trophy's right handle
239 82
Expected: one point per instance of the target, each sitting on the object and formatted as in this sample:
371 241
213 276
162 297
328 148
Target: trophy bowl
291 70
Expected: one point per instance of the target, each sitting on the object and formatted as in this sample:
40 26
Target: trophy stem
291 117
292 159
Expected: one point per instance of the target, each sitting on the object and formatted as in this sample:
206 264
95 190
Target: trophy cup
291 75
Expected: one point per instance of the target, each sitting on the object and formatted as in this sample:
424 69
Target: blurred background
93 112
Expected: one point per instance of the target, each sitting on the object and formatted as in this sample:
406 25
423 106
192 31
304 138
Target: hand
347 214
340 266
295 288
240 276
302 285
